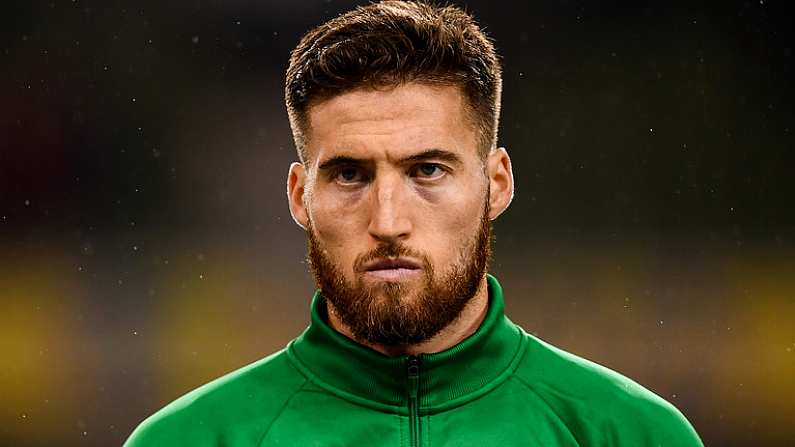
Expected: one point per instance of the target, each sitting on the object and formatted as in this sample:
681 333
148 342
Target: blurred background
146 245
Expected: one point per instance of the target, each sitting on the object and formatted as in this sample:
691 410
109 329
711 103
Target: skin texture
361 191
375 310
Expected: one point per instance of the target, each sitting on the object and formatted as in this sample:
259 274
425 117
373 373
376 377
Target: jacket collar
448 378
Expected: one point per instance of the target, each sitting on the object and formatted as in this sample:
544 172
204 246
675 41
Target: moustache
392 250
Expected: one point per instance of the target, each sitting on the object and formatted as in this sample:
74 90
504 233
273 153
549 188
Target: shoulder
599 405
235 409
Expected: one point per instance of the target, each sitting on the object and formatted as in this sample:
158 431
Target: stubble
386 313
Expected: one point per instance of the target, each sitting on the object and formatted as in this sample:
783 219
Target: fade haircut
391 43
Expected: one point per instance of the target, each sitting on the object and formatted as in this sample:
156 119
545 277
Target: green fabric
499 387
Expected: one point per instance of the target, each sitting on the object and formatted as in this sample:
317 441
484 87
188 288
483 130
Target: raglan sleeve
171 427
656 423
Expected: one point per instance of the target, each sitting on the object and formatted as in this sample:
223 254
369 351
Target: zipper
413 375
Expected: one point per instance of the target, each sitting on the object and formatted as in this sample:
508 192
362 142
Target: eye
428 171
349 175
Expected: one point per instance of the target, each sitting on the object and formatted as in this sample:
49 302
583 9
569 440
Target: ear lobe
500 181
296 182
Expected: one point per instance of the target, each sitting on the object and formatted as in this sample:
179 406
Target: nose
390 213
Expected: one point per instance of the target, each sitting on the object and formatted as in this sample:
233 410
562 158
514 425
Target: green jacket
499 387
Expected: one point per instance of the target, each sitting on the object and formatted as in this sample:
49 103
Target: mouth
392 269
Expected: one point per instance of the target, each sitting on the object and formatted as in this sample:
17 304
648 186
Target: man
394 109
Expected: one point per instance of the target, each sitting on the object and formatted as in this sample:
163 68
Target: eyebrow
428 154
339 160
434 154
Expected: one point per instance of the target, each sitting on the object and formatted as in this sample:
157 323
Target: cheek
337 224
449 224
463 224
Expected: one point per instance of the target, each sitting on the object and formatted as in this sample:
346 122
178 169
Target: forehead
405 117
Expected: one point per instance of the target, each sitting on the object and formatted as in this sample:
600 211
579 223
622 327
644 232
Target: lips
390 264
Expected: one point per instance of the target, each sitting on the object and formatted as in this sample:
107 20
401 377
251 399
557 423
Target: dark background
146 246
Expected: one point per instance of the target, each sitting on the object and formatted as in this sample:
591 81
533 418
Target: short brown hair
391 43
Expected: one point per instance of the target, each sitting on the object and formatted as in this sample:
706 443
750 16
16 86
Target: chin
390 292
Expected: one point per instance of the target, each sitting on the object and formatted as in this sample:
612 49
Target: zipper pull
413 374
413 366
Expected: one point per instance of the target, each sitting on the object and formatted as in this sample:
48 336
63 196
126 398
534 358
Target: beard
385 313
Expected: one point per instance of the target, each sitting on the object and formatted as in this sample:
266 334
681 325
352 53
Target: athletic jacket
499 387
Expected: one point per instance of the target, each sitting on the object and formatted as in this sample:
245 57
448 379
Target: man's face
396 199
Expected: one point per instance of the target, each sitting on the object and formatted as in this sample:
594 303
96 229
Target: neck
462 327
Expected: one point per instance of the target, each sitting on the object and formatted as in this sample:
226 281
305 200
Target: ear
296 181
498 168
